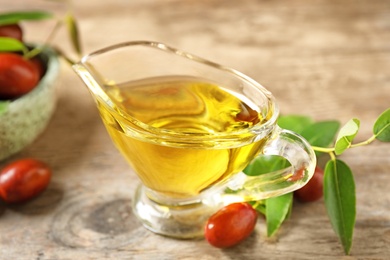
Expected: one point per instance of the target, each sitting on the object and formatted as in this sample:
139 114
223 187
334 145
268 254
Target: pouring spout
91 81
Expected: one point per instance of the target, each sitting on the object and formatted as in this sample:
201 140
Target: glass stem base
182 220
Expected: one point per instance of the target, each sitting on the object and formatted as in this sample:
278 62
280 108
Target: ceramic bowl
25 118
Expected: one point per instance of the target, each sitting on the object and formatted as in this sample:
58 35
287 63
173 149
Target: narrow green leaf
382 127
73 32
3 106
265 164
322 133
346 135
295 123
10 44
340 200
277 211
16 17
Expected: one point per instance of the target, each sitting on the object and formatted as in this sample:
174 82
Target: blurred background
327 59
319 47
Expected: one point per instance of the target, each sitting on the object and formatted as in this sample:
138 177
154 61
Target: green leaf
73 32
16 17
340 200
382 127
322 133
3 106
265 164
295 123
277 211
11 44
346 135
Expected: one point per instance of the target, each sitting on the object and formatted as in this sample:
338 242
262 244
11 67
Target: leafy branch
8 44
14 45
338 183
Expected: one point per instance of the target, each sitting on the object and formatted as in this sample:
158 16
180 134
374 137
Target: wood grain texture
325 58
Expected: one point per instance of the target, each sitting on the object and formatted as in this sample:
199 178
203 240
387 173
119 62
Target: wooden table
327 59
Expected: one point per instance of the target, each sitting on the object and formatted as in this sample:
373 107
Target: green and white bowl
25 118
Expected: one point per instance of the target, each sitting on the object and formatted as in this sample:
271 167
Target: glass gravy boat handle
288 145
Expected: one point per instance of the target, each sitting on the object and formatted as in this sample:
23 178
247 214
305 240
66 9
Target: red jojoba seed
11 31
313 190
17 75
23 180
230 225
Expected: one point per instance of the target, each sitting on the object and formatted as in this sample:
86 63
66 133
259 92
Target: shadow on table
43 204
